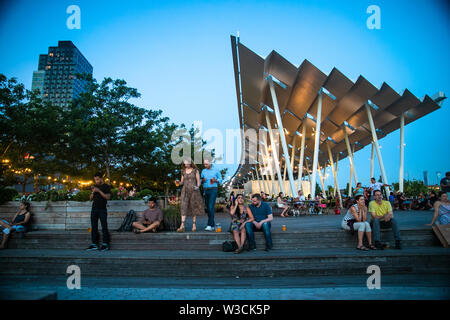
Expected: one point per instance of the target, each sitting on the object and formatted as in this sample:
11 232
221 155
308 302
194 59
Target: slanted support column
302 156
259 181
350 155
402 151
377 147
274 151
316 144
321 180
309 175
372 156
264 183
336 184
282 136
293 161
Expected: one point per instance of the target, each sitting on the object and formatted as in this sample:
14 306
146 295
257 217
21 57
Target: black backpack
229 246
127 223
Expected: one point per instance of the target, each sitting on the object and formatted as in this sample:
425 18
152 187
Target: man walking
263 216
101 193
211 179
383 217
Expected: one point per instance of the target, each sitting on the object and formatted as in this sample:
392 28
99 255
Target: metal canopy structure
308 101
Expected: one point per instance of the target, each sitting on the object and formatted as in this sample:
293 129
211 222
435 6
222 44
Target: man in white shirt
374 186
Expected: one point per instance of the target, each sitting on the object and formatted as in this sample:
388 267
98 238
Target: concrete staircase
296 253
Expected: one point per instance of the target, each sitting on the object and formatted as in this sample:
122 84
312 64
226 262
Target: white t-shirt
375 186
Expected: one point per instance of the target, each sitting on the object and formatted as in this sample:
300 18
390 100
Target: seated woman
282 205
20 222
356 220
441 210
240 215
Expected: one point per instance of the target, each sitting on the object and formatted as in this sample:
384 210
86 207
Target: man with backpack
151 218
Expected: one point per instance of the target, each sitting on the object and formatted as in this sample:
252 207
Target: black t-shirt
445 181
99 201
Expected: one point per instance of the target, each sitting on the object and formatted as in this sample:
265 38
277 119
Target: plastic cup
283 227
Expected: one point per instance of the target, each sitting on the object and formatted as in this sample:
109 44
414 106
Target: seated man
383 217
151 218
299 203
262 214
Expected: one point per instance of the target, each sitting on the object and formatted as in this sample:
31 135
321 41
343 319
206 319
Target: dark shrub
83 195
172 218
7 194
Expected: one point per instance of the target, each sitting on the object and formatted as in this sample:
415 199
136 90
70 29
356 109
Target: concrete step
190 263
212 241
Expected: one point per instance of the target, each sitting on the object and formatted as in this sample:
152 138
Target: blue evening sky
178 55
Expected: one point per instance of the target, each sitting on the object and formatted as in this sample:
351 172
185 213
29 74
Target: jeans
210 199
250 228
377 224
101 214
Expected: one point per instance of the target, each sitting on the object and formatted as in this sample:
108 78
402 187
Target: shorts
14 228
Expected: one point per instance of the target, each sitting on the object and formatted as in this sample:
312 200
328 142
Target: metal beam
402 151
377 147
302 156
316 144
282 136
336 184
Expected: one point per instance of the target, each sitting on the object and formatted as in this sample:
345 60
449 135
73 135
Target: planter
73 215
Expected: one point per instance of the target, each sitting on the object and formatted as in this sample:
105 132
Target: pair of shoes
194 227
181 228
239 250
209 228
92 247
268 248
378 245
398 245
105 247
251 248
362 248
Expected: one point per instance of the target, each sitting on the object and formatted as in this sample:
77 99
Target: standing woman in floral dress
191 202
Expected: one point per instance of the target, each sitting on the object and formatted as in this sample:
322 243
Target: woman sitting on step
282 205
19 223
240 215
441 210
356 220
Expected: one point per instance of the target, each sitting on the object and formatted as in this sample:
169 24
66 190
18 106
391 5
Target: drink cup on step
218 227
89 230
283 227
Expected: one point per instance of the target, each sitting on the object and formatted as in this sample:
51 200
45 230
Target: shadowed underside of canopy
297 91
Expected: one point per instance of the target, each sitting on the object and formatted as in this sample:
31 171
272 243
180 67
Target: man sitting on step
262 214
383 217
151 218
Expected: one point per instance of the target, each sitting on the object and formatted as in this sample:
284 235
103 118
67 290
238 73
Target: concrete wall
73 215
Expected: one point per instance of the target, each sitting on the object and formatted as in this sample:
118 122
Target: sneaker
251 248
209 228
92 247
398 245
268 248
104 247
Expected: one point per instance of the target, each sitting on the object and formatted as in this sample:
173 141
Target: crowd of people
257 216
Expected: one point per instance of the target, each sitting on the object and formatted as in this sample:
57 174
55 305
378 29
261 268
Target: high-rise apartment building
56 74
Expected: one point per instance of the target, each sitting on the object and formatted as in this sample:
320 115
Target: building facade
56 75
